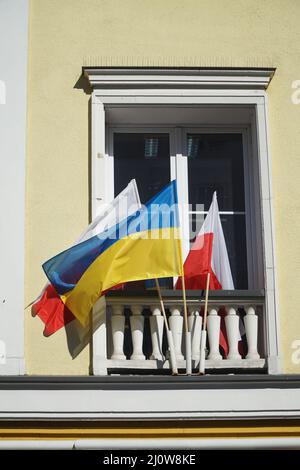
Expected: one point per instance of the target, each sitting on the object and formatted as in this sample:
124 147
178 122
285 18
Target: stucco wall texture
66 35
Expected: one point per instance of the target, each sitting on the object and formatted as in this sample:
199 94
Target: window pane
215 163
145 157
234 229
235 238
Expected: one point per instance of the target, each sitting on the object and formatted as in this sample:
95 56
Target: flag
49 307
208 254
146 245
51 310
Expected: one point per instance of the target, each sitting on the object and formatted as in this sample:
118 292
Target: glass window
145 157
215 163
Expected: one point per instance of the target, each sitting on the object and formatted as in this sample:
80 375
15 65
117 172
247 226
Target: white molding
185 444
179 97
237 364
150 404
98 155
271 299
187 78
141 443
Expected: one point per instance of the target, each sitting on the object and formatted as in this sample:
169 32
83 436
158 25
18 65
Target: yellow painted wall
64 36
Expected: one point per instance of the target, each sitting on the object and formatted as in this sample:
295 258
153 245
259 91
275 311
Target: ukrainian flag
145 245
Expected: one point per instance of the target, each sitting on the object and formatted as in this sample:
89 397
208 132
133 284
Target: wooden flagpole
91 342
188 341
169 332
203 332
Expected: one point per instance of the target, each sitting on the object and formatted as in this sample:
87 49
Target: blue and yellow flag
145 245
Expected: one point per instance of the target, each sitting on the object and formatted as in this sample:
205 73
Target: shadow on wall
83 84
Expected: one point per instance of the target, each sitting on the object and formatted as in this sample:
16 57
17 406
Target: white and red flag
208 254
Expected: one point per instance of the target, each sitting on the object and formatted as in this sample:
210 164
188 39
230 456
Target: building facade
93 94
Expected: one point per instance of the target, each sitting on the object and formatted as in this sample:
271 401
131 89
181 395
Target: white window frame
185 87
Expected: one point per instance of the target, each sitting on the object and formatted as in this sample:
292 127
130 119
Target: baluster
176 324
251 327
157 327
195 325
137 332
233 333
213 332
117 327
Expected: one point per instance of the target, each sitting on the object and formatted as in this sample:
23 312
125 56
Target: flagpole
203 332
91 341
188 341
169 332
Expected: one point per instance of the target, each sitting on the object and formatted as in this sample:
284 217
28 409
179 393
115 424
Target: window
211 160
207 129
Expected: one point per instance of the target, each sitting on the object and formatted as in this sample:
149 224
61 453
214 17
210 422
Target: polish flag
208 254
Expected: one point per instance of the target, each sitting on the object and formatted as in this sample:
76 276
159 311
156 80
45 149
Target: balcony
132 338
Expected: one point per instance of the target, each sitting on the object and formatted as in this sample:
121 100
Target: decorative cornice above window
213 78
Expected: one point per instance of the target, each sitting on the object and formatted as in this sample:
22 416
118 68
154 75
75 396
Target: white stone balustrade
154 329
